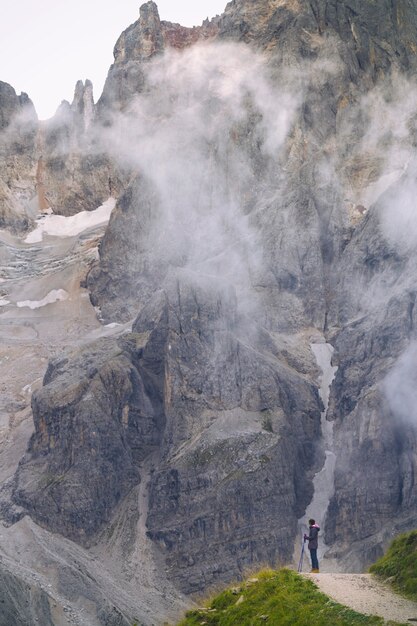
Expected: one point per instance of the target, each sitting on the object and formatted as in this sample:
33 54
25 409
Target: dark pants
314 560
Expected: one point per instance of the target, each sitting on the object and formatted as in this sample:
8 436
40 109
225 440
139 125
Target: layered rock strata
232 425
55 164
138 44
372 397
22 603
216 387
74 173
330 172
18 159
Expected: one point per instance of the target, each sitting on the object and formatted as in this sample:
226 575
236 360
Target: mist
388 116
205 133
400 386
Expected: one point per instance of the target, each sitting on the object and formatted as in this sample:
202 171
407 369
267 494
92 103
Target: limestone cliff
18 131
75 174
371 403
331 174
268 174
22 603
54 164
145 38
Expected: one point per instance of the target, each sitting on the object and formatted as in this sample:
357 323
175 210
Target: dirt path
363 593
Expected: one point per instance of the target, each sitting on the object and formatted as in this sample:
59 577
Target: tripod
300 564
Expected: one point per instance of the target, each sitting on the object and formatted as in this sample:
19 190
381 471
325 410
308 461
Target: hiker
313 542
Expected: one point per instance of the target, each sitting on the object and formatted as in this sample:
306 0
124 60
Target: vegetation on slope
276 598
399 565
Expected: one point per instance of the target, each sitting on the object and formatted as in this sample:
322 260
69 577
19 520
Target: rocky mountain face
51 164
74 174
266 168
25 604
145 38
371 402
18 124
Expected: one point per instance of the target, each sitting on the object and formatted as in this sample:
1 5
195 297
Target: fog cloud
204 131
210 132
388 116
400 386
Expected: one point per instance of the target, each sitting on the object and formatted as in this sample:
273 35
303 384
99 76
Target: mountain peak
143 38
149 11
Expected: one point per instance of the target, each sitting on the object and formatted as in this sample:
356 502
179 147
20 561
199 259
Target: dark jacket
313 537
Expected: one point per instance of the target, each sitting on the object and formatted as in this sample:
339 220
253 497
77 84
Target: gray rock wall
18 162
238 447
75 173
319 262
216 385
232 425
79 464
55 164
21 603
372 435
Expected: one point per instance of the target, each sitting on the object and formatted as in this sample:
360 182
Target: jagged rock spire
142 39
11 104
83 102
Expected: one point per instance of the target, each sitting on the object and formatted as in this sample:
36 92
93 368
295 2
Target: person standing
313 542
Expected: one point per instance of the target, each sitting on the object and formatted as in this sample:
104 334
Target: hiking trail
365 594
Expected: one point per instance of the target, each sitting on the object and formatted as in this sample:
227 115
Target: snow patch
27 389
60 226
323 353
4 302
53 296
323 481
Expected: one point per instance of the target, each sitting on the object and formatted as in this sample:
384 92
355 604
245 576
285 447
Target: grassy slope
277 599
399 564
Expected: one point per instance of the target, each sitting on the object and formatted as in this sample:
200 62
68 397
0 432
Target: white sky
45 47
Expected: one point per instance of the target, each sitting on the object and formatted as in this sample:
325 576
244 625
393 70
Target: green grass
276 598
399 565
